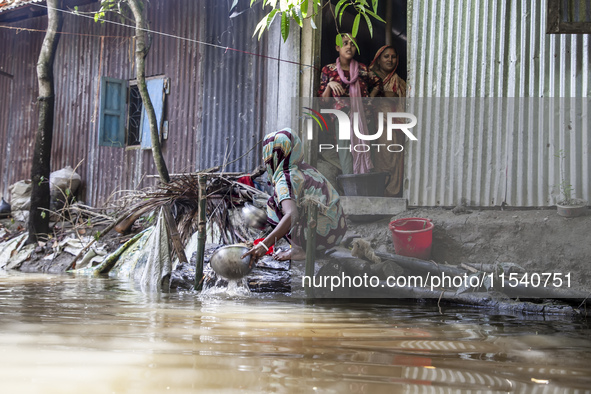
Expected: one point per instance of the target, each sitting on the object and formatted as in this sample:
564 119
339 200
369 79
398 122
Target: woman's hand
283 228
256 252
336 88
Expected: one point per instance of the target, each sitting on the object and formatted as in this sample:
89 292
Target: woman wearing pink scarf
349 78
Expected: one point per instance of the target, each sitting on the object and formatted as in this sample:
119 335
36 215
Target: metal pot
254 217
227 261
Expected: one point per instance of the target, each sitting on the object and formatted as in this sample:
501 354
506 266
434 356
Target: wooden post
201 229
311 244
173 231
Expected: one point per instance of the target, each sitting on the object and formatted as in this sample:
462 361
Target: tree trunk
40 170
142 46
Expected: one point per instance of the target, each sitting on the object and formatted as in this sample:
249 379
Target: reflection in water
60 334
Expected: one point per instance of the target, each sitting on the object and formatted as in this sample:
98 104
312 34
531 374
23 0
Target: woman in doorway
297 185
384 65
349 78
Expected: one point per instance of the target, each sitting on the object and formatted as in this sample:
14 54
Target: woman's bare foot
294 253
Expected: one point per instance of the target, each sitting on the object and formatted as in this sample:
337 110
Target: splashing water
227 287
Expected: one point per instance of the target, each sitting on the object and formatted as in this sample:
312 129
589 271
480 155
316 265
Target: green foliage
299 10
118 7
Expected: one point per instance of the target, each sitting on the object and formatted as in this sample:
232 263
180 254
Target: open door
392 33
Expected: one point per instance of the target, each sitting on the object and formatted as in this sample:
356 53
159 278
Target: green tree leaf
284 26
339 5
297 16
298 11
356 25
376 16
271 17
260 27
369 26
304 8
341 13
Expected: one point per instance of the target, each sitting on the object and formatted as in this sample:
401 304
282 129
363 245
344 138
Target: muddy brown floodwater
60 334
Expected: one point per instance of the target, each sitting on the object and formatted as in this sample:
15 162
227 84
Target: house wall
216 99
495 49
233 89
18 108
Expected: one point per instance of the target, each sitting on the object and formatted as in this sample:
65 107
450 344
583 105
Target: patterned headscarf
374 63
283 153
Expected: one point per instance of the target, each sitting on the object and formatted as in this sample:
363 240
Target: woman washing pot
295 185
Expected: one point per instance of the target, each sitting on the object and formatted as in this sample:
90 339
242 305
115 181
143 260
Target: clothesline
225 48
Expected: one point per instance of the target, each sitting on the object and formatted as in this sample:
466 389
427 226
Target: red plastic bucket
412 237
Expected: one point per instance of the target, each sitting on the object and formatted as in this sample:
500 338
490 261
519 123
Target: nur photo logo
387 122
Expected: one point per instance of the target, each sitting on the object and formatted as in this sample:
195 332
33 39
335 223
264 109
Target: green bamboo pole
201 229
311 245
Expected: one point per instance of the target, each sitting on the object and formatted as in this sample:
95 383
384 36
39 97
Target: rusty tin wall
6 84
230 83
232 89
489 48
18 102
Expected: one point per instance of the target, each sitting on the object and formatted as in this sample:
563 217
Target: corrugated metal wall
19 102
86 56
494 49
212 90
6 85
232 89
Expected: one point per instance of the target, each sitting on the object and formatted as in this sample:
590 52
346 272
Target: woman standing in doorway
347 78
384 65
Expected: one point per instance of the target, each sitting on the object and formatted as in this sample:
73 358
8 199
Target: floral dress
293 179
367 81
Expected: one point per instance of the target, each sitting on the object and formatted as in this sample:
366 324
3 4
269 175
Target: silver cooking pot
227 261
254 217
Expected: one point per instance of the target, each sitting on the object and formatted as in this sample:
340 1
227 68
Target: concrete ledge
373 205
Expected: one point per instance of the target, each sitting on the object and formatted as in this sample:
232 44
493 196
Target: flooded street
61 334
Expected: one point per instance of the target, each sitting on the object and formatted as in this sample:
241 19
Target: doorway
393 33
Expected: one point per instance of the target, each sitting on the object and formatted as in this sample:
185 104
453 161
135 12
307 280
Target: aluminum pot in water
227 262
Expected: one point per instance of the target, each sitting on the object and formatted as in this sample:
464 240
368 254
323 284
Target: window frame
555 24
106 136
158 88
